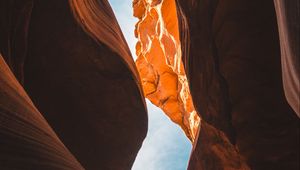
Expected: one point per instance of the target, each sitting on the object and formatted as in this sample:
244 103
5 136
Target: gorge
72 97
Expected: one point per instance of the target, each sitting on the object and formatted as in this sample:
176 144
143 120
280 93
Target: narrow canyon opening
151 31
73 97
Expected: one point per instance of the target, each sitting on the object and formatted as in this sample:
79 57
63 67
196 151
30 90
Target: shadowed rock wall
78 71
26 139
288 16
232 60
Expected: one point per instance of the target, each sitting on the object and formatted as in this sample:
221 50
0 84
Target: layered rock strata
26 139
72 60
78 71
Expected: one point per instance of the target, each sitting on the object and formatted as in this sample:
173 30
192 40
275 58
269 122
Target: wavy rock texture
232 60
159 63
288 17
73 61
26 139
79 72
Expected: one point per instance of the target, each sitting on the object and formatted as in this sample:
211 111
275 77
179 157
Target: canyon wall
74 63
288 17
164 81
231 56
159 63
26 139
71 96
232 59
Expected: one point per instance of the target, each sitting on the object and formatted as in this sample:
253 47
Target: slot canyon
226 72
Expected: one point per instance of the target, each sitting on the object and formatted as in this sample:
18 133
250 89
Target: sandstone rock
14 23
213 151
232 58
79 72
289 32
73 61
159 62
26 139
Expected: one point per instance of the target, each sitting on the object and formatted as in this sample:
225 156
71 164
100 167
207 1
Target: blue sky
165 147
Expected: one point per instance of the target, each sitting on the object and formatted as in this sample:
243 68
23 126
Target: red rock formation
74 63
213 151
160 66
231 54
14 22
26 139
159 63
289 32
232 60
83 81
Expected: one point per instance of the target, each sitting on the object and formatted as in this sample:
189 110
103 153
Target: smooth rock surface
79 73
26 139
288 16
232 59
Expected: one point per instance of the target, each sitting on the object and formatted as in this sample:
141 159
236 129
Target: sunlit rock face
159 62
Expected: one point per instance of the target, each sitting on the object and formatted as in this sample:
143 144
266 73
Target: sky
166 147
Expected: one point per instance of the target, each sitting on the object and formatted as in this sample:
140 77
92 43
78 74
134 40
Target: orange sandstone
159 62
